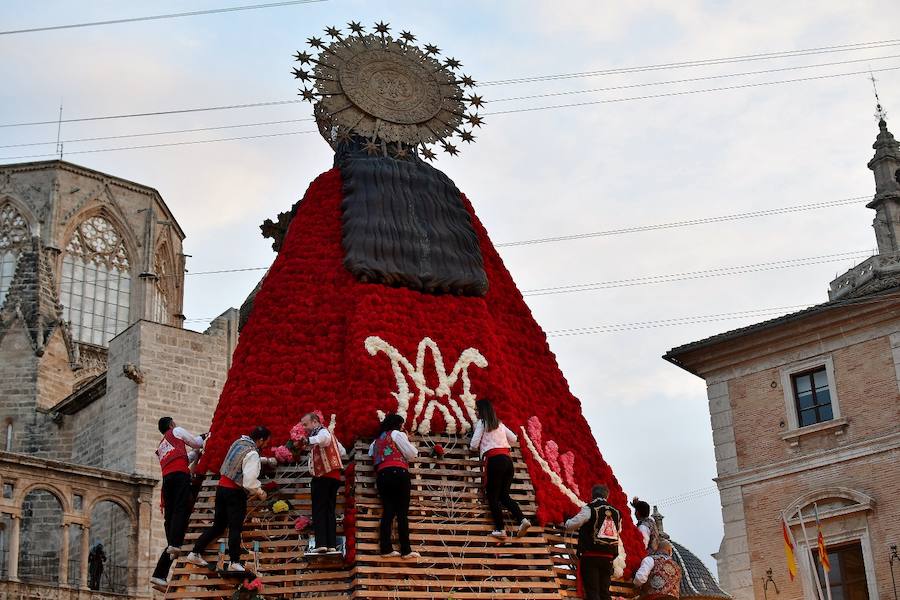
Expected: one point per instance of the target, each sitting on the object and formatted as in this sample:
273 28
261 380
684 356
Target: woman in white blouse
391 453
493 440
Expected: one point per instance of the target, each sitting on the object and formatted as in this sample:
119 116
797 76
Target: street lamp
894 558
769 580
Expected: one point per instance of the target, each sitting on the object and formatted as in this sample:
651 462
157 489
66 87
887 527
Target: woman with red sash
391 452
493 440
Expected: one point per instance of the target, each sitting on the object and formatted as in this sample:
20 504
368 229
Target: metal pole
818 531
894 558
813 572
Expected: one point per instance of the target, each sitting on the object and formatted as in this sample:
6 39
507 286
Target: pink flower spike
534 431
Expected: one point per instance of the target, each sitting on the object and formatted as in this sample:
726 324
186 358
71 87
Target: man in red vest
325 466
174 453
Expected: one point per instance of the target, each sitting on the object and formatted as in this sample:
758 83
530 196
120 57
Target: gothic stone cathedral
92 351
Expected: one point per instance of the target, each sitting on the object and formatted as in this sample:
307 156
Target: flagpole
818 533
812 566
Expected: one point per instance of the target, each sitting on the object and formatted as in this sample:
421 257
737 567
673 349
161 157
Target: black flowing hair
391 422
486 414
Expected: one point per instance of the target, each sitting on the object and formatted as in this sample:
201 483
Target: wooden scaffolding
449 525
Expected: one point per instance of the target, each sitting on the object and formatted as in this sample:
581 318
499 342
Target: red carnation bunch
437 451
302 522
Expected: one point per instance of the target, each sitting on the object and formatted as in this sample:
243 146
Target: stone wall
764 465
866 388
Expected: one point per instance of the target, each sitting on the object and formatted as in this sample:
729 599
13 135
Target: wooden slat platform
450 526
284 571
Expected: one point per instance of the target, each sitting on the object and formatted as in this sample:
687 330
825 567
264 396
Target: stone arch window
40 544
111 528
161 297
13 237
95 288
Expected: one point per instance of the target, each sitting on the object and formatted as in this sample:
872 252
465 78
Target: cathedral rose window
13 236
95 288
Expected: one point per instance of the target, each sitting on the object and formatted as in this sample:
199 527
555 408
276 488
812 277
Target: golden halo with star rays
396 95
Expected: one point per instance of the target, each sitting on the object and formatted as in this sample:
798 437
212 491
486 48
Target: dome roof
696 580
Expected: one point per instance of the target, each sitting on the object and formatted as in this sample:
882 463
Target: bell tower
885 165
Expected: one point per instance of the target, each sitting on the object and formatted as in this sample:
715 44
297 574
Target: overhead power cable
502 112
193 13
704 62
699 319
509 99
154 133
688 92
619 283
704 274
177 111
687 222
690 79
887 43
167 144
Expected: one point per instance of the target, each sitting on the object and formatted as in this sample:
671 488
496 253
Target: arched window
95 288
13 236
41 537
111 529
160 291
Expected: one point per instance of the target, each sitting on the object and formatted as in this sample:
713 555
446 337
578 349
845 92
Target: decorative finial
880 113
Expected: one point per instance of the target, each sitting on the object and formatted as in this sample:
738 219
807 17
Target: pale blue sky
530 175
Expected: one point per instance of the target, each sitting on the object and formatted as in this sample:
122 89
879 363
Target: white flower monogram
458 412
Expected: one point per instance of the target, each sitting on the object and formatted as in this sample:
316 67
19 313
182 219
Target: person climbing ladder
493 440
391 452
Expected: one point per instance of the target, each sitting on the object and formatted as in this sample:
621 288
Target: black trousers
394 486
500 473
324 499
230 511
596 572
178 501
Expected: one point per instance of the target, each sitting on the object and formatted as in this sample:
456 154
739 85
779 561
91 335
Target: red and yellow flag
789 549
823 552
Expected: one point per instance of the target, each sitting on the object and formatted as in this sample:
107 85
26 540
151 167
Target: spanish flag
789 549
823 552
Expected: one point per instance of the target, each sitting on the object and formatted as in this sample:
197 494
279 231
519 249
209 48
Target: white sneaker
523 527
234 567
173 551
158 582
391 554
498 534
412 555
196 559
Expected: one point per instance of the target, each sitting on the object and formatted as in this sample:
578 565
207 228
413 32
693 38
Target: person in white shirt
391 452
239 478
493 440
325 466
659 576
175 452
646 524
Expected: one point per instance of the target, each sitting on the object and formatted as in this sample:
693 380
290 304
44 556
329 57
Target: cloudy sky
620 160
